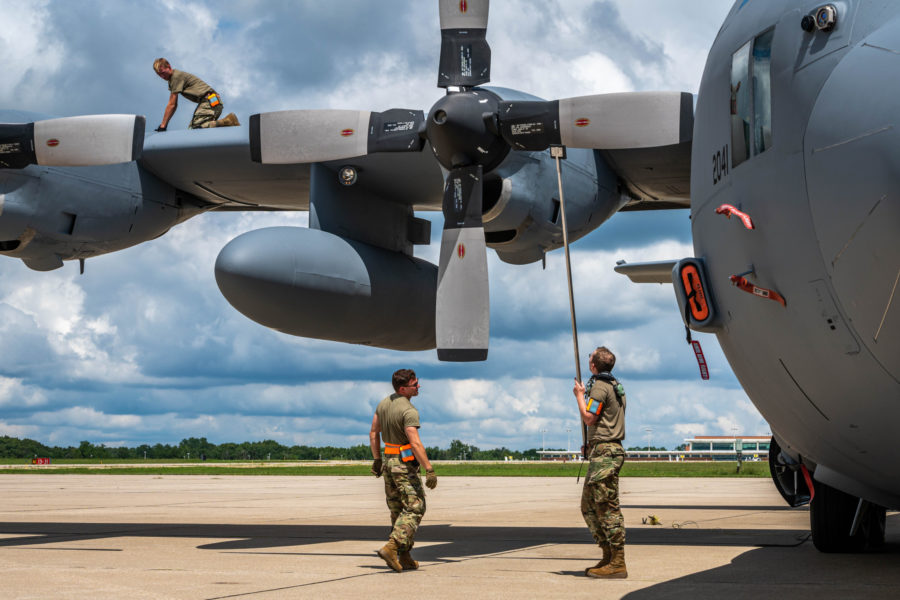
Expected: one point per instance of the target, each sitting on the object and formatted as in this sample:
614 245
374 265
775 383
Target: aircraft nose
853 174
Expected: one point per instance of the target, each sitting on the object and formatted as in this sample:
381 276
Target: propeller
462 309
72 141
465 54
602 121
471 130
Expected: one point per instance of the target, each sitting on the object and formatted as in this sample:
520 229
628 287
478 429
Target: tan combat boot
614 570
407 562
388 554
230 120
607 556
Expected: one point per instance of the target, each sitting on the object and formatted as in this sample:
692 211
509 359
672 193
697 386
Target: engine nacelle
522 219
314 284
48 215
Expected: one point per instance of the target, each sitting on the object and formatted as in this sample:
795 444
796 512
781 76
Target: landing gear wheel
831 515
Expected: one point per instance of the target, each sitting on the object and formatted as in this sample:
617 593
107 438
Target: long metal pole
559 152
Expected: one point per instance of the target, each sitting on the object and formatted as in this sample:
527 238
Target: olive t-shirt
190 86
610 427
396 413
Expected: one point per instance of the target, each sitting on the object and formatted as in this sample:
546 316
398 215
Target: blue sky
143 348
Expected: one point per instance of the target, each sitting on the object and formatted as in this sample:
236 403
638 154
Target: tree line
200 448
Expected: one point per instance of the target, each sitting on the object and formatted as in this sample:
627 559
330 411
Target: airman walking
397 420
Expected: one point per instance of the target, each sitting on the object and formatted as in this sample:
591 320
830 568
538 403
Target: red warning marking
461 251
463 6
53 142
347 132
701 360
728 210
582 122
746 286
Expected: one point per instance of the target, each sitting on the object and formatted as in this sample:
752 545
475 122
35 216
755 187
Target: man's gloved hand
376 467
160 128
430 479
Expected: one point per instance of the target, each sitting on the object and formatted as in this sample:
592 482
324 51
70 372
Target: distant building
559 455
702 447
712 447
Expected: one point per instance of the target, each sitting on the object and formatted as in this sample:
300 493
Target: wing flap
660 174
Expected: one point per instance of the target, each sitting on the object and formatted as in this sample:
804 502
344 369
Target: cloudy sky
144 349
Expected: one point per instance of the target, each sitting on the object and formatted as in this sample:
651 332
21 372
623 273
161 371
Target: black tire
831 515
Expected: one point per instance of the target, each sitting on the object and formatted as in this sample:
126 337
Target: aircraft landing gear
831 518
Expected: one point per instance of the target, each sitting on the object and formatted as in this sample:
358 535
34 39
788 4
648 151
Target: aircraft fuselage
797 129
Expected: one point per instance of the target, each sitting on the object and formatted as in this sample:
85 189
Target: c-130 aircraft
792 135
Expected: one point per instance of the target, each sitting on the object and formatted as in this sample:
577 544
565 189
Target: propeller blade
603 121
465 53
83 141
462 311
307 136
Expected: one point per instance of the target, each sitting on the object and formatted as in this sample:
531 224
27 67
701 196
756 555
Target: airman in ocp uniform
397 420
209 103
602 407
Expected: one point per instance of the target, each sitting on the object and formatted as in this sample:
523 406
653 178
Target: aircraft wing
656 178
215 166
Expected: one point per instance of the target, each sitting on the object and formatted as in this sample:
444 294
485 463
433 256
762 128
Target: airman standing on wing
603 411
209 103
398 421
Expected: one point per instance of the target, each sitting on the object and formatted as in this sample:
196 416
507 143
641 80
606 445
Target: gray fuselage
797 129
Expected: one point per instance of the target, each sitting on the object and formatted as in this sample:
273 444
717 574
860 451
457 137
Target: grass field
465 469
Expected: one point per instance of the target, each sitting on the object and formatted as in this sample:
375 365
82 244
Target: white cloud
15 395
30 52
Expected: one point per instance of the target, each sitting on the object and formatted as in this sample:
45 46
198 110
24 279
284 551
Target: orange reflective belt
405 451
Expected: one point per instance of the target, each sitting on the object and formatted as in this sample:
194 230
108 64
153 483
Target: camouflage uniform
600 496
405 499
403 489
196 90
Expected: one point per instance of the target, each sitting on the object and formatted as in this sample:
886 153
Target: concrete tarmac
256 537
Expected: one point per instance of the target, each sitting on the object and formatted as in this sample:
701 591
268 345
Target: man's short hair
603 359
160 63
401 378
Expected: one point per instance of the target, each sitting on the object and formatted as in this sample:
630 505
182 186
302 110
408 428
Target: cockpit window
751 109
740 105
762 92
